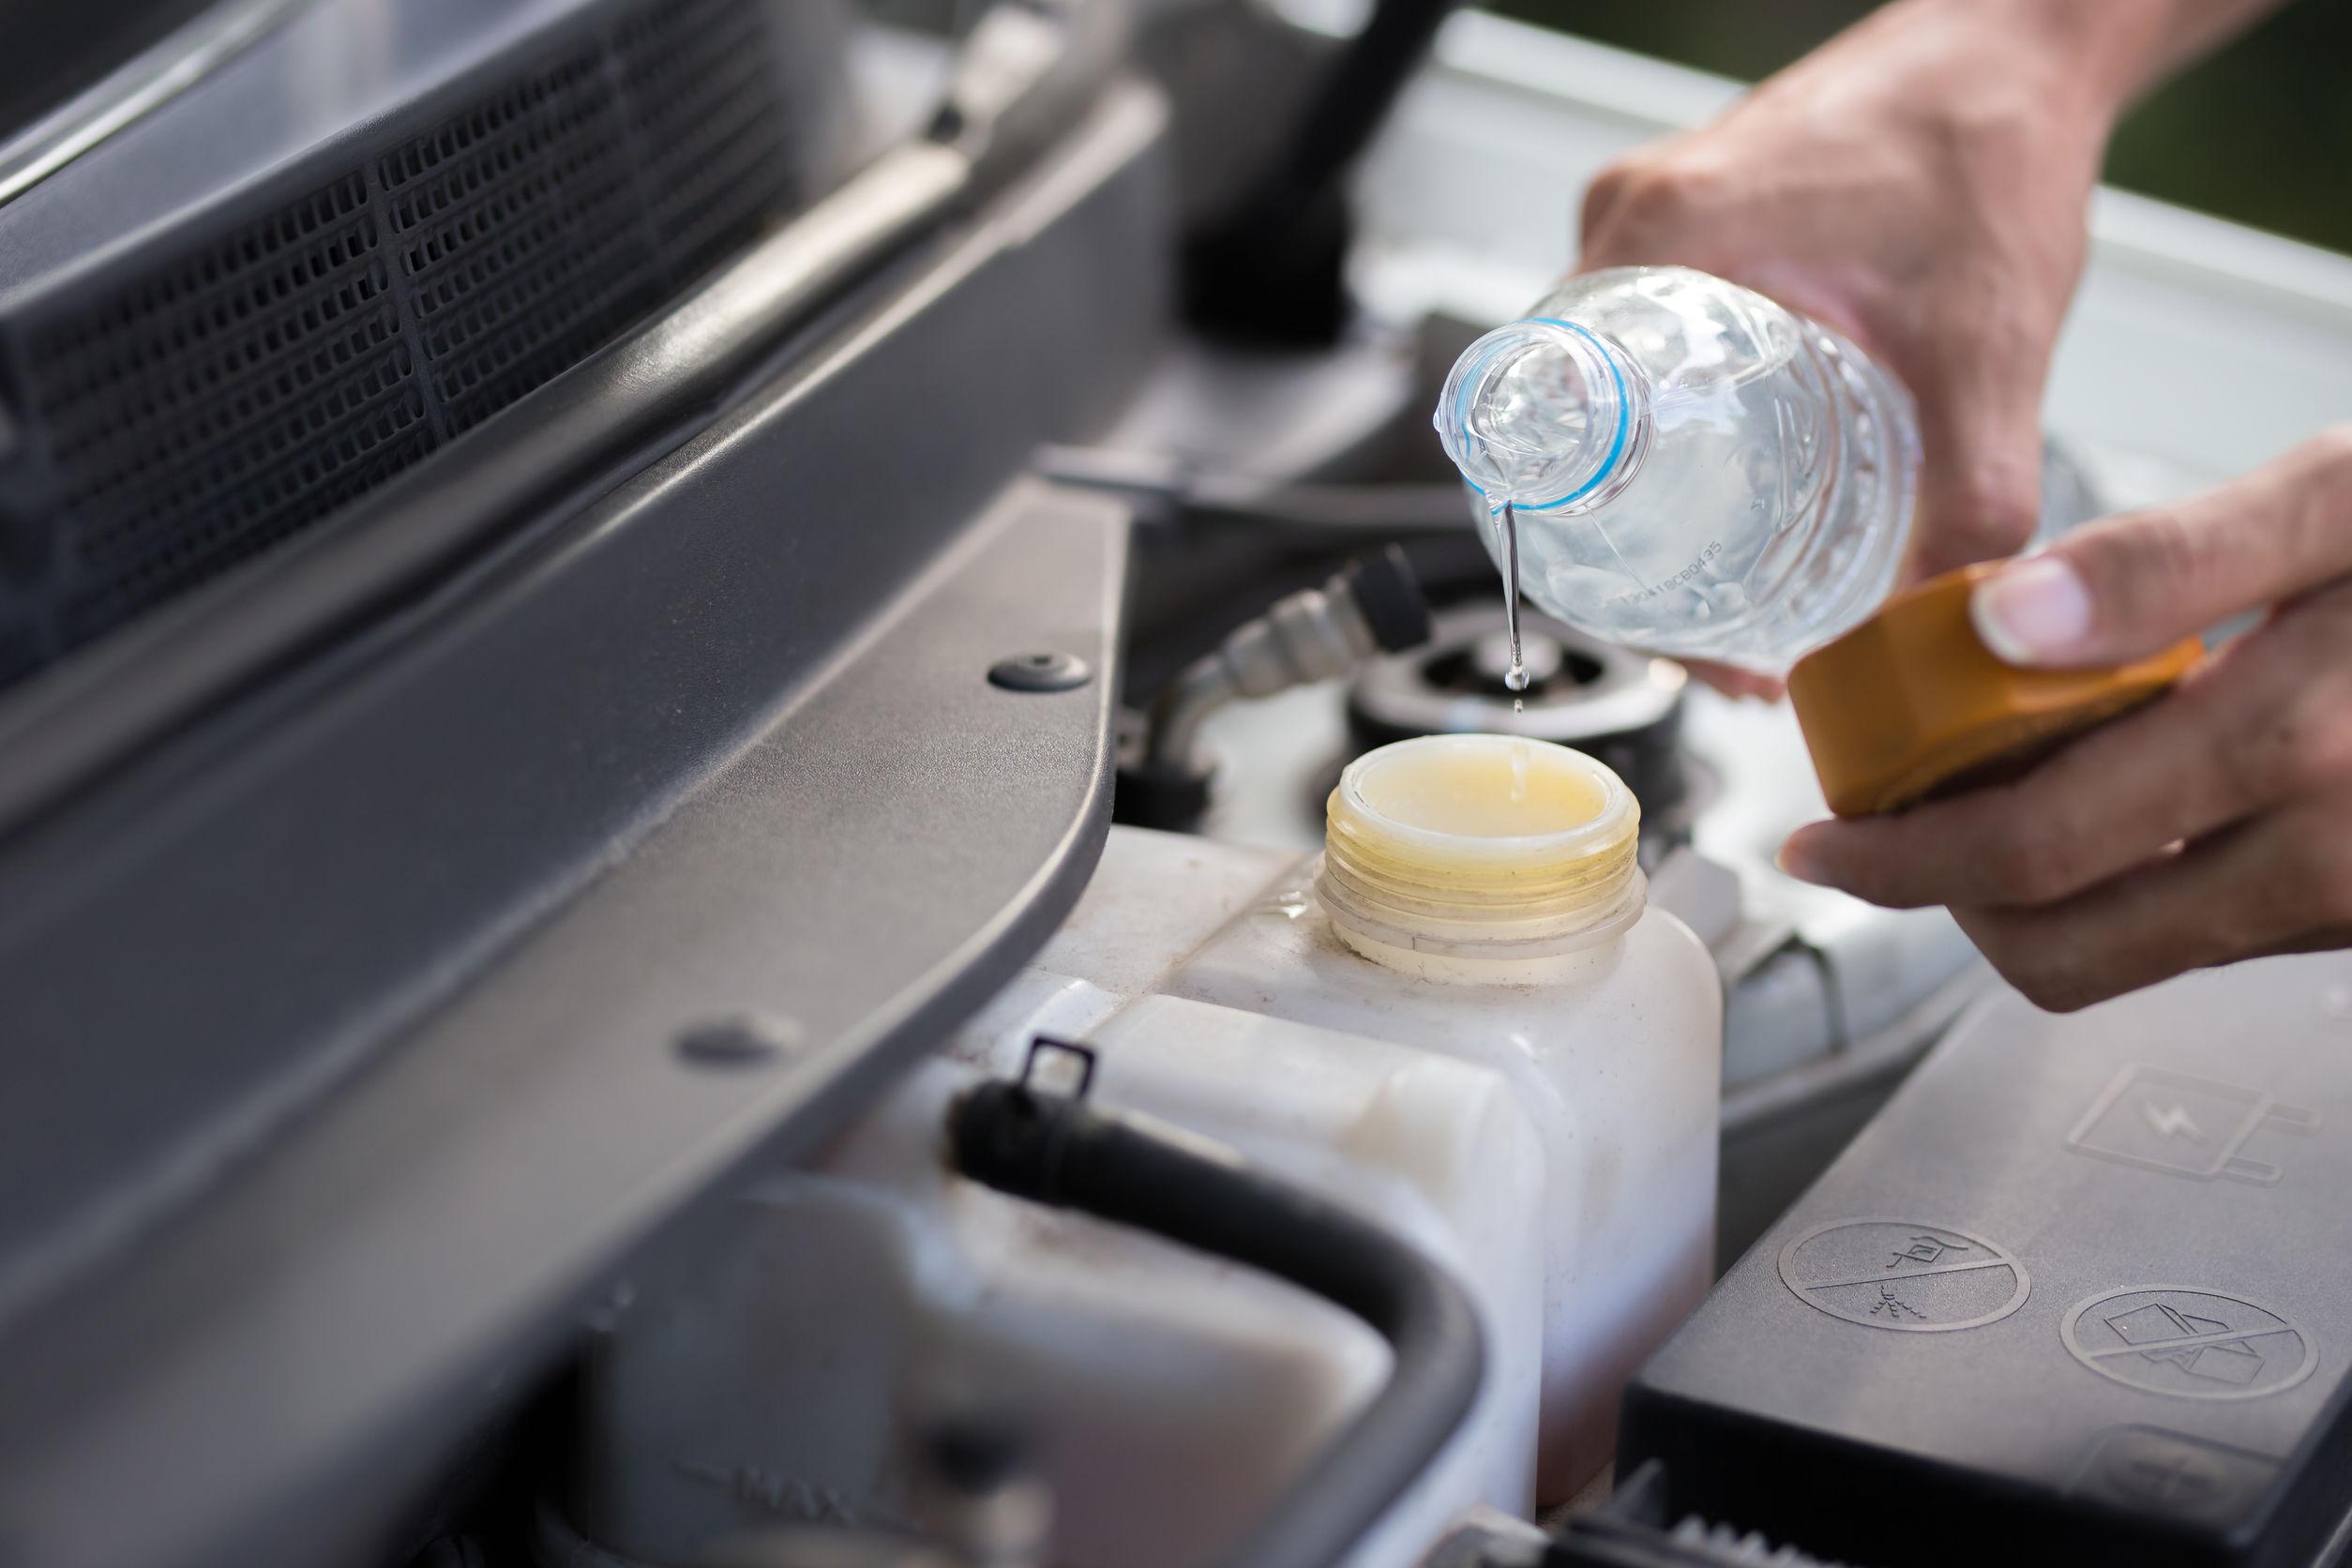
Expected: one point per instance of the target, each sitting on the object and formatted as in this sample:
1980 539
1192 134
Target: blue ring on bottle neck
1617 437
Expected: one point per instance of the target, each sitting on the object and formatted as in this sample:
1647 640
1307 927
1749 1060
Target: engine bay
741 965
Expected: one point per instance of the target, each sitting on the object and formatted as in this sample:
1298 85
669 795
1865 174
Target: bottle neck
1545 415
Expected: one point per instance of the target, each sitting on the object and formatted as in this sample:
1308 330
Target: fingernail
1793 860
2036 611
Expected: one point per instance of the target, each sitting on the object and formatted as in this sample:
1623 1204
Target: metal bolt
1042 672
737 1042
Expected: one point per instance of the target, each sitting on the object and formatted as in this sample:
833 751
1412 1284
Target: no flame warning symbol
1890 1273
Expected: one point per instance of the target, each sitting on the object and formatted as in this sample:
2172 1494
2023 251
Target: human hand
2214 824
1918 183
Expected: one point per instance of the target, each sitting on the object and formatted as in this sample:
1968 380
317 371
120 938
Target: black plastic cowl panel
343 1067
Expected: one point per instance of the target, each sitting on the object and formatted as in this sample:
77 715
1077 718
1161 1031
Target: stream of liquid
1516 678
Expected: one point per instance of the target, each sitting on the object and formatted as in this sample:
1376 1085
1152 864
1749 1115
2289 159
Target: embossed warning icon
2154 1118
1890 1273
2192 1343
2152 1471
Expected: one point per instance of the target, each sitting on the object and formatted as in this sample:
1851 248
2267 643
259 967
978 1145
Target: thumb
2124 587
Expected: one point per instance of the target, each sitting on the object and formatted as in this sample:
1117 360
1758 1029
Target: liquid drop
1291 903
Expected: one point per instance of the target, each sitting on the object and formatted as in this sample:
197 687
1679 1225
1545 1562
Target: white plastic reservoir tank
1462 1020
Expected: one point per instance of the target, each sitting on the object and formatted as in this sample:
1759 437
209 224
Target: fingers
1732 681
2125 587
1601 199
1663 203
2268 722
2282 883
2212 825
1980 412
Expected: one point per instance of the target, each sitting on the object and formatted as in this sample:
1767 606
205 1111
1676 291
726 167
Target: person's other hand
2214 824
1918 183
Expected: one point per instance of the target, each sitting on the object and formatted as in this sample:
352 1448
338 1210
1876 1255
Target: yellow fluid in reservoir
1485 791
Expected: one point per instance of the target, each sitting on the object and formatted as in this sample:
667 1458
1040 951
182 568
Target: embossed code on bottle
1635 596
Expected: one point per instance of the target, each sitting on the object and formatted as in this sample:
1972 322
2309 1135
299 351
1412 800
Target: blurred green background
2260 132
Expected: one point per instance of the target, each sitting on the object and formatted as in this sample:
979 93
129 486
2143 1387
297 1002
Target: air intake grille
708 114
208 411
213 403
518 230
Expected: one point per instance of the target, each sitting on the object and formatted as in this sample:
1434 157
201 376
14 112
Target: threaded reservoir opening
1480 846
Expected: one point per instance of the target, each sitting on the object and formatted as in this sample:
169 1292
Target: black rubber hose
1273 267
1354 99
1053 1149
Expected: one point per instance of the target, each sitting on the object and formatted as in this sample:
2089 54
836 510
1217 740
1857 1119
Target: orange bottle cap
1911 701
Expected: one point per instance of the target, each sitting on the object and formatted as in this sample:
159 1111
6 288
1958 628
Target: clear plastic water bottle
1688 467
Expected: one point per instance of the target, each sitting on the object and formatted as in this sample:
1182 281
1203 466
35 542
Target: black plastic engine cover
2082 1295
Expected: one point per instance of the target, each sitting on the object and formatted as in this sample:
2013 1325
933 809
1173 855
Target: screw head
1040 672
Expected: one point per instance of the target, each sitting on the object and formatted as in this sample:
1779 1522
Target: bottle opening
1544 414
1480 846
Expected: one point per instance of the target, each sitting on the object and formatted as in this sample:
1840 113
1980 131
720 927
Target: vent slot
517 232
217 403
701 84
209 412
